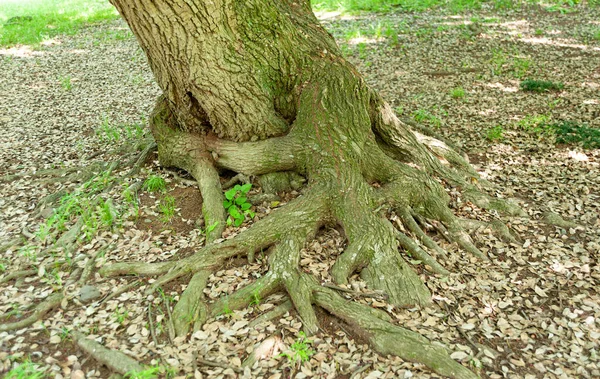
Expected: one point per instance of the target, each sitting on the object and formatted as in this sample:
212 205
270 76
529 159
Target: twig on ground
151 323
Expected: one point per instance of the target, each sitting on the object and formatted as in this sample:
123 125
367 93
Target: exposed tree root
273 314
555 219
387 338
114 360
17 274
40 311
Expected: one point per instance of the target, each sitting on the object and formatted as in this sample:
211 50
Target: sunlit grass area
564 6
29 22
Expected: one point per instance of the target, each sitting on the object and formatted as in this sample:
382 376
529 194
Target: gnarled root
392 170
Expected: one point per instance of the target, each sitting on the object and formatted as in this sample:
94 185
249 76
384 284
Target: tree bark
259 87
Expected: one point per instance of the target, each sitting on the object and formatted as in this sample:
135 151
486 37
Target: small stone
89 293
77 374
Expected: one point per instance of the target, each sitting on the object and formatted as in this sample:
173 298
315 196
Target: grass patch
563 6
155 183
531 85
457 93
25 370
424 116
569 132
29 22
495 134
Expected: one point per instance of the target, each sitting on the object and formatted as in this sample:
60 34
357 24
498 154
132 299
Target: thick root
387 338
114 360
191 307
40 311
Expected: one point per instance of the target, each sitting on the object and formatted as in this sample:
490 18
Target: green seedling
65 82
120 315
536 124
422 115
255 299
237 205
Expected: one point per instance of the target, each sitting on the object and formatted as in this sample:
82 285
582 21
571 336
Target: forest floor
533 311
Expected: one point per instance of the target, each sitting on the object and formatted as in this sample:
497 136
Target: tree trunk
259 87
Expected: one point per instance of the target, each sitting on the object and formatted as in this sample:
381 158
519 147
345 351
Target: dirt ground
531 312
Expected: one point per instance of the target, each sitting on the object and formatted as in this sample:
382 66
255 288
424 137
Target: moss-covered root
387 338
40 311
373 250
115 360
191 306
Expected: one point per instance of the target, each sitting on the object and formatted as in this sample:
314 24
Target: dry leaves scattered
531 312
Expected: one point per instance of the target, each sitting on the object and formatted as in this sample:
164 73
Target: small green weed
25 370
167 208
536 124
155 183
147 373
569 132
539 32
107 132
495 134
65 82
237 205
423 115
521 66
362 50
531 85
457 93
64 333
300 350
110 132
120 315
596 35
255 299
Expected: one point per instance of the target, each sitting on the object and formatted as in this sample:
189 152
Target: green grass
531 85
495 134
155 183
29 22
167 208
25 370
563 6
457 93
569 132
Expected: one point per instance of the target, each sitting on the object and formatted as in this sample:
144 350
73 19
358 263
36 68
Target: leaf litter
531 312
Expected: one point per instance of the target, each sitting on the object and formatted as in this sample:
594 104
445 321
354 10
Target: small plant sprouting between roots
300 350
237 205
